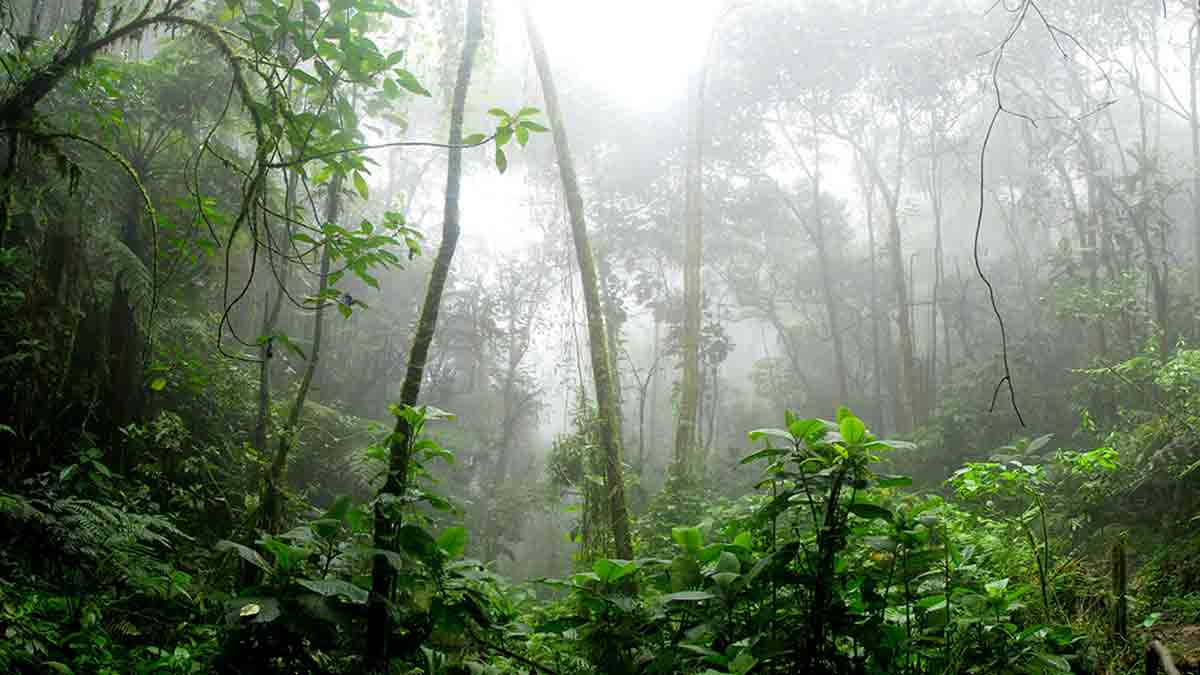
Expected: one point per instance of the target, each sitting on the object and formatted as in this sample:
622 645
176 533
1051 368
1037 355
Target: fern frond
128 270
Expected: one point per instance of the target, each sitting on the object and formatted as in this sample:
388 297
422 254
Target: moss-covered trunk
396 484
609 431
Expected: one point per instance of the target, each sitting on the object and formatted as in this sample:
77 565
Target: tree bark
689 400
396 484
609 430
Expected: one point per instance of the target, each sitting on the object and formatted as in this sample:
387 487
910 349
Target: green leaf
870 511
501 160
724 579
245 553
497 112
1055 661
688 538
418 543
728 563
996 588
474 139
453 541
522 136
305 77
767 453
760 434
685 573
336 587
286 557
894 481
689 596
802 428
526 112
326 528
360 184
409 81
263 609
533 126
893 445
611 571
158 383
853 430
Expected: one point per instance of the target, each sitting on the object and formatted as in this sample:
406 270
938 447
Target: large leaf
894 481
360 185
252 610
335 587
418 543
805 427
611 571
1055 662
870 511
453 541
765 453
688 538
689 596
286 557
728 563
853 430
245 553
685 573
761 434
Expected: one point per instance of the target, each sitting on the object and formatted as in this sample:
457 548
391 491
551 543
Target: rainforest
704 337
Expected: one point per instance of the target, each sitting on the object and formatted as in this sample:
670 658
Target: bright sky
640 51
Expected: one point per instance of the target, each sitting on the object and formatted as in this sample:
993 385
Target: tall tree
272 506
387 524
689 400
608 426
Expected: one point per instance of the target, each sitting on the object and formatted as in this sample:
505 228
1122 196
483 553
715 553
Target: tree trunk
832 302
907 373
609 430
272 510
689 400
124 338
935 197
396 484
270 318
876 365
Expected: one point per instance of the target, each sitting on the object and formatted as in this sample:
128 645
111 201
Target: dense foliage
257 416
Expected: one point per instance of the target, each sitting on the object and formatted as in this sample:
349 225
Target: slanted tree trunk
270 318
609 430
388 524
272 504
686 430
